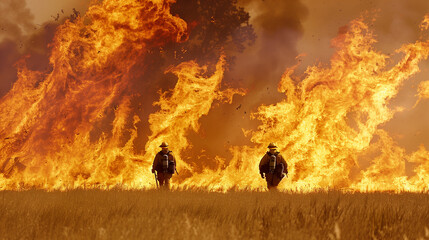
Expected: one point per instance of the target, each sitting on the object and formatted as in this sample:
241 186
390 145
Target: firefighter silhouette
164 165
273 167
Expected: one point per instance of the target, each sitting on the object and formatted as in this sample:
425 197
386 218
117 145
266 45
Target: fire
328 126
191 98
49 119
330 120
424 25
424 89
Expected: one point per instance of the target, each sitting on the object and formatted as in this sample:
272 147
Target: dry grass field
96 214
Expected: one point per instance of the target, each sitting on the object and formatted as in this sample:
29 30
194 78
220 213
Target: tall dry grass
96 214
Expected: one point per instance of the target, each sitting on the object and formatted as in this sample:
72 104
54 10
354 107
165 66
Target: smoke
9 54
396 22
16 20
21 36
48 10
278 28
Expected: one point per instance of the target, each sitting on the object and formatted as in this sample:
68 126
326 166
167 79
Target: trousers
164 179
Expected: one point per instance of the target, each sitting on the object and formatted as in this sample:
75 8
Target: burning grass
96 214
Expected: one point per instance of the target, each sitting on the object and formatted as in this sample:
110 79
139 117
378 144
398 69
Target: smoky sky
21 37
15 20
278 25
278 28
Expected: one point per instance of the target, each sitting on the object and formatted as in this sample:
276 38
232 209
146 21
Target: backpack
164 162
272 163
168 165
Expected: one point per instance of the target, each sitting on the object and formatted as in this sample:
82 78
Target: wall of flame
328 122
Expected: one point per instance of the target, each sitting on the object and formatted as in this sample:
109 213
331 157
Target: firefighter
273 167
165 165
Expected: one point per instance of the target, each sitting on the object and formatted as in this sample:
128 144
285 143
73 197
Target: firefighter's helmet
163 145
272 145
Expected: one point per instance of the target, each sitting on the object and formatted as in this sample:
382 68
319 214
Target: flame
424 89
328 126
191 98
49 120
330 120
420 180
424 25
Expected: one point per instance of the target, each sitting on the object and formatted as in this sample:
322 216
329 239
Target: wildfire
327 124
330 120
49 119
191 98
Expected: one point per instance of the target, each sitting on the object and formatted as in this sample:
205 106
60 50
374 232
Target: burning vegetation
130 74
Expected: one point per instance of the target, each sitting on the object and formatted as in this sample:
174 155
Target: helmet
163 145
272 145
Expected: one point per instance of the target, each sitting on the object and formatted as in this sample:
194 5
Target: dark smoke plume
214 27
278 27
21 38
15 21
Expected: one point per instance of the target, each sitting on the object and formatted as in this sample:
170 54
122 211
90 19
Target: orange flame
424 89
330 121
49 119
328 126
191 98
424 25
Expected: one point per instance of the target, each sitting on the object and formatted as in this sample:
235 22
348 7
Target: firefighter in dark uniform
165 165
273 167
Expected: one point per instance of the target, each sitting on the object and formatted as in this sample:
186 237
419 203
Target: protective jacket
264 164
273 171
157 162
